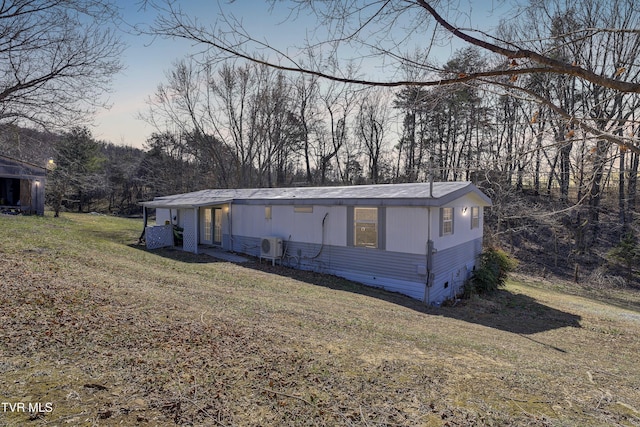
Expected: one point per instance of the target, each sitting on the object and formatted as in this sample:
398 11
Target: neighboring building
421 240
21 186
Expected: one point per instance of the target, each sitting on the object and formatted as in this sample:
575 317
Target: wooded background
540 114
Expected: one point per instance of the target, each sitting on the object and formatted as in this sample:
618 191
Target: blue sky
147 59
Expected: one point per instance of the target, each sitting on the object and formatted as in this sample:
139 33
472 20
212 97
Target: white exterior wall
307 227
163 215
462 231
407 229
250 221
226 214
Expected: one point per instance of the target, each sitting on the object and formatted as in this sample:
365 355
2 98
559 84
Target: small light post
37 183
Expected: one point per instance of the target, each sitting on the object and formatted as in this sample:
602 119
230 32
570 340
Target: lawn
96 330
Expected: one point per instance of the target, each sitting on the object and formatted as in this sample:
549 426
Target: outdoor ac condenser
271 248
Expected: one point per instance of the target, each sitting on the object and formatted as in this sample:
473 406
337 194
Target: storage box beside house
420 239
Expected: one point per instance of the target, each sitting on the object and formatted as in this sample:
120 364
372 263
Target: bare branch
56 59
554 66
629 143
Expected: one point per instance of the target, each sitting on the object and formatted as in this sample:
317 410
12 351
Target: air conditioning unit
271 248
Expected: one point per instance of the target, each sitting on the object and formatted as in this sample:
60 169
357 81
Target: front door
217 226
211 226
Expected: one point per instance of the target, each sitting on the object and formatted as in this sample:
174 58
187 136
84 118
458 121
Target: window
267 212
475 217
365 231
446 221
303 209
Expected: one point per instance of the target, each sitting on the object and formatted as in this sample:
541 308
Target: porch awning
184 203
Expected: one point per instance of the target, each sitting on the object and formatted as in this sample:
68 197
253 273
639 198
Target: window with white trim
475 217
447 221
365 227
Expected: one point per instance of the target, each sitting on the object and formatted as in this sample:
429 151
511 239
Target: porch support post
196 224
144 224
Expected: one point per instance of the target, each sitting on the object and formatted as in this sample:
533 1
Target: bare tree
338 102
372 121
603 111
306 104
182 108
378 28
56 58
239 122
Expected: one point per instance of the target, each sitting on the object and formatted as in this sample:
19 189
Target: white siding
317 240
462 231
163 215
225 219
301 226
407 229
307 227
250 221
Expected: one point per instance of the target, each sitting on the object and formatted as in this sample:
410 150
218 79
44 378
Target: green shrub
492 272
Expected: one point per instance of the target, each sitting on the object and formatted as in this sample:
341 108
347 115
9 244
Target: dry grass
112 334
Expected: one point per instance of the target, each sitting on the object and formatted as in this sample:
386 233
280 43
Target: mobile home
420 239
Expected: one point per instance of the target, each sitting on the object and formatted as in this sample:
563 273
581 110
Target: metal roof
15 168
414 194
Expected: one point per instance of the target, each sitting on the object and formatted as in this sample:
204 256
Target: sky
146 60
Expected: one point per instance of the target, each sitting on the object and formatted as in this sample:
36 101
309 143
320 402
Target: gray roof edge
176 204
416 201
208 197
158 205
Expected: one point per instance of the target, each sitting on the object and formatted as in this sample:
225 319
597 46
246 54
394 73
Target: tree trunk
621 191
632 186
565 171
595 193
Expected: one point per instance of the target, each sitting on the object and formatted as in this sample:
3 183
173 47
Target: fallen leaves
146 338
